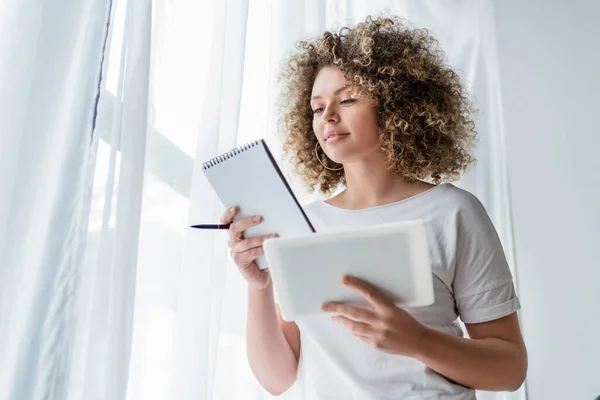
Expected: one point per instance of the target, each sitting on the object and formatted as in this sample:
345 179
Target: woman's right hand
245 251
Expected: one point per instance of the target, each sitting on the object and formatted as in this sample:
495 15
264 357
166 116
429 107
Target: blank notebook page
248 177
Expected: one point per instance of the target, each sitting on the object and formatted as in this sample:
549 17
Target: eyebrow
334 92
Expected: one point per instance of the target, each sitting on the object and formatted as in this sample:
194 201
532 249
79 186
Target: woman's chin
338 160
342 156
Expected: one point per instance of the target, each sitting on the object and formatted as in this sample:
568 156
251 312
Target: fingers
244 223
357 328
236 229
244 259
370 293
245 252
228 215
251 243
354 313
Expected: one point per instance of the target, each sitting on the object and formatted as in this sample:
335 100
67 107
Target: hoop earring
320 162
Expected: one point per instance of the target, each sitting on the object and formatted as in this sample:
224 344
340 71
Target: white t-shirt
471 280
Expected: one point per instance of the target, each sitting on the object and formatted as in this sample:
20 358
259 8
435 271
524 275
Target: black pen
211 226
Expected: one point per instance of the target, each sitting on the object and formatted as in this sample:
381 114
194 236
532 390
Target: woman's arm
494 358
273 345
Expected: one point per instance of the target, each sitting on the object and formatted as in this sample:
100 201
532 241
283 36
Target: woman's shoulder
313 204
469 210
456 197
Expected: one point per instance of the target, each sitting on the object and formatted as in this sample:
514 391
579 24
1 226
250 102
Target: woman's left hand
382 325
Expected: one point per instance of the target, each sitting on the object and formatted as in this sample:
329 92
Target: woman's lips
336 137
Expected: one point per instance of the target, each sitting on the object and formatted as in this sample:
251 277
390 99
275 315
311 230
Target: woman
375 110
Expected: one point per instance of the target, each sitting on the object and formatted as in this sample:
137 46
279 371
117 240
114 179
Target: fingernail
256 218
274 235
232 209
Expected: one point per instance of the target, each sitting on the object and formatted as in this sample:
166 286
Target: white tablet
307 271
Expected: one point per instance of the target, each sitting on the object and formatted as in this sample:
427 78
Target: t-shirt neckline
388 204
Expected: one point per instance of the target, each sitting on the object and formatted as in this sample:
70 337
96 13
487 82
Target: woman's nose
330 115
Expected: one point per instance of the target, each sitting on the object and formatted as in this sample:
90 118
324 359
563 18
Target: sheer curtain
49 72
119 299
116 180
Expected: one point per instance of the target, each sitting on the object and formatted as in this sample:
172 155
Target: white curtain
117 297
49 74
117 176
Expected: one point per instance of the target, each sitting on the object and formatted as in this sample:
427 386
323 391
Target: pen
211 226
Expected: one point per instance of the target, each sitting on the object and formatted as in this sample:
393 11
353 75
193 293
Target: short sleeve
483 284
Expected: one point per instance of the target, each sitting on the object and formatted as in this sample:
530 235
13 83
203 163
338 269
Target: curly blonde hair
424 113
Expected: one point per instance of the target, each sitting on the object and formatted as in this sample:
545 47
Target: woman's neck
371 185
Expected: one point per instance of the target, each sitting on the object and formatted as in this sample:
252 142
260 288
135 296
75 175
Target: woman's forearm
271 357
484 364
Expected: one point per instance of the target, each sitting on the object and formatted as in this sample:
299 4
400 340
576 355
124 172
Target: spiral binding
232 153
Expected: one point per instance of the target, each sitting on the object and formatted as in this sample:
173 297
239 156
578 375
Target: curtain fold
48 78
108 281
203 271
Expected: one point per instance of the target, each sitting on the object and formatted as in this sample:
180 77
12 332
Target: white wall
550 68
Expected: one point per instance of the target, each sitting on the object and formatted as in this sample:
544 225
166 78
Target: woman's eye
320 109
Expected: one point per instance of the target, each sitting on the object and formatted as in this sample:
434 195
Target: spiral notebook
248 177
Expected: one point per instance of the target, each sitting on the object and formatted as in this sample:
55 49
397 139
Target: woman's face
346 127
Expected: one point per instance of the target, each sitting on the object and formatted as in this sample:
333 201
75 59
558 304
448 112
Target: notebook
248 177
